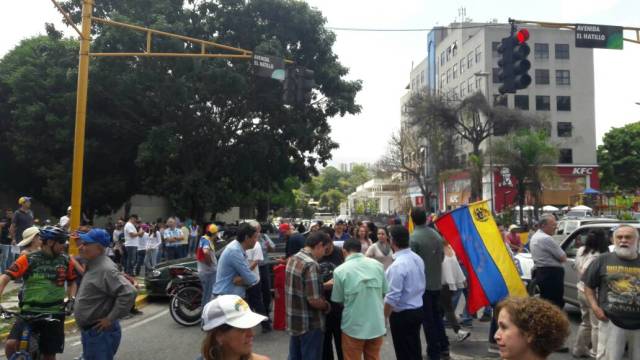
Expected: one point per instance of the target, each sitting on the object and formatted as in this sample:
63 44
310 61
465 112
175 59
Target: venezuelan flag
478 244
410 225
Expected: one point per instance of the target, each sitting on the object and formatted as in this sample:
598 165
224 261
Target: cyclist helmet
53 233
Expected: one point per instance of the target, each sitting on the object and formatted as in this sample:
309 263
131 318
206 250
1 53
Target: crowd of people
345 283
344 286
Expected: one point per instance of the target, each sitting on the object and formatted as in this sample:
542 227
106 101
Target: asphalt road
155 336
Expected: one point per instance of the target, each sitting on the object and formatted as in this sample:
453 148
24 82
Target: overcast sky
383 60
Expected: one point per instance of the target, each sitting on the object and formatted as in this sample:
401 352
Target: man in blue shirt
403 302
234 275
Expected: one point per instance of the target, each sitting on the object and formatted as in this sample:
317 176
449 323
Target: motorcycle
185 291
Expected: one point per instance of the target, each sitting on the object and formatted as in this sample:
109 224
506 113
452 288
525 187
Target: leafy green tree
619 158
525 153
332 200
37 84
204 133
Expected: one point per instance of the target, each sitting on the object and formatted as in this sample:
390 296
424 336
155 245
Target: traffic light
513 63
298 84
289 86
306 83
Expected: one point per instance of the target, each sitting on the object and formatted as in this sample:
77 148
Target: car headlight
156 273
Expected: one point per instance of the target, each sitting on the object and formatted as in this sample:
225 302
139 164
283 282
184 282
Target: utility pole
81 117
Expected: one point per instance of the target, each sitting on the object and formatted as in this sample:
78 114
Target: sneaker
135 312
462 335
563 349
494 348
467 323
485 318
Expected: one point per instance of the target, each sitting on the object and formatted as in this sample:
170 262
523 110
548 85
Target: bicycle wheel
20 355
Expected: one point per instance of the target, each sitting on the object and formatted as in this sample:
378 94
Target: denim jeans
101 345
193 242
207 279
6 257
307 346
140 260
131 258
171 252
150 260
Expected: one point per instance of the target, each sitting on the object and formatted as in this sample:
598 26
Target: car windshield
571 226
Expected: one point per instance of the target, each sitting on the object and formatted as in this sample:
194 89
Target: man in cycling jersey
44 273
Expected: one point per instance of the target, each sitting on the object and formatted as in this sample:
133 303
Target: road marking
135 325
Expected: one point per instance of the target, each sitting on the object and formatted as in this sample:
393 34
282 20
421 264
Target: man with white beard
616 278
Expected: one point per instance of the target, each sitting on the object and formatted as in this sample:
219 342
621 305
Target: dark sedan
156 281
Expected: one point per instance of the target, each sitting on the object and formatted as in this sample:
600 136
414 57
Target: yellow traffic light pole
83 86
81 117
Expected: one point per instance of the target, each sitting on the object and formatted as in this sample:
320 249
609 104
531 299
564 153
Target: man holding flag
427 243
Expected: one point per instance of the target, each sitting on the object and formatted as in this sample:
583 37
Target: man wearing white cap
31 241
229 324
65 220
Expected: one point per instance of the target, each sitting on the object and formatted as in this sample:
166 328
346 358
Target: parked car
570 245
156 281
567 225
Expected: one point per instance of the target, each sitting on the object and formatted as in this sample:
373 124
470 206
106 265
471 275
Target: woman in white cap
31 241
229 324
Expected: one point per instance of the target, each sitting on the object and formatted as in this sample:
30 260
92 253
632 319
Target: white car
567 225
570 245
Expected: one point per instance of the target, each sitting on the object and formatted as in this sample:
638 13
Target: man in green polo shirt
360 285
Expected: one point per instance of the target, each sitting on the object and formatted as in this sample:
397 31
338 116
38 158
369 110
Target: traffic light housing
514 65
298 85
289 86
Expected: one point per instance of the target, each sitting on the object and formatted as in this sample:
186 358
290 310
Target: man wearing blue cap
105 296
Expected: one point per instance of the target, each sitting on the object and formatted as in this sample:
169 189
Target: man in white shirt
131 240
66 220
254 293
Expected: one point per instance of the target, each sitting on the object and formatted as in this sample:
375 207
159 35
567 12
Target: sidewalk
10 302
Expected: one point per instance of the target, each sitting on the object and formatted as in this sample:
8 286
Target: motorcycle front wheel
186 306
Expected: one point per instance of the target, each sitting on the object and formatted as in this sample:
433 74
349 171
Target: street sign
268 66
598 36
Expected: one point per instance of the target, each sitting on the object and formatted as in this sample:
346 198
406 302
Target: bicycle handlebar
6 314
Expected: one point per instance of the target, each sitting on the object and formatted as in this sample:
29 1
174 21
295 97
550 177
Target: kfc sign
582 171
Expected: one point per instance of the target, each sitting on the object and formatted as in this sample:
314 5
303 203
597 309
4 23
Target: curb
141 300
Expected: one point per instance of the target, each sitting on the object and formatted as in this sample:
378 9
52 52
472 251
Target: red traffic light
522 35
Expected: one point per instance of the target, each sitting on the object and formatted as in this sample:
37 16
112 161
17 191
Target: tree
441 120
204 133
619 158
405 154
332 200
525 153
37 86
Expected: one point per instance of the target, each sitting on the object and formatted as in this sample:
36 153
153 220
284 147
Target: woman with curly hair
530 328
229 324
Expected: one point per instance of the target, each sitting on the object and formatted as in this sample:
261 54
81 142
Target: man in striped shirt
306 306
